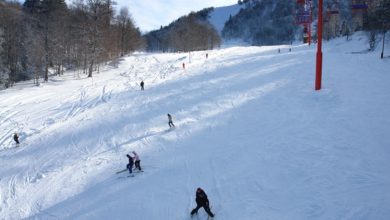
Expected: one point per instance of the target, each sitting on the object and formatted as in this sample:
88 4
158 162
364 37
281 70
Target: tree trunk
90 69
383 44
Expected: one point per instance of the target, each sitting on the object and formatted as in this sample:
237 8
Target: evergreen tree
11 43
262 22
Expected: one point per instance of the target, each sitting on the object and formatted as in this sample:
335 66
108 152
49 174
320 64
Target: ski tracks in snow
9 195
217 186
88 101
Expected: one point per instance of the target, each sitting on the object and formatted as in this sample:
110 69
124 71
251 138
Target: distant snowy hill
263 23
250 130
199 30
220 15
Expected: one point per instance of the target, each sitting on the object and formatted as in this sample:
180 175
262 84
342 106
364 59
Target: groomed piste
250 130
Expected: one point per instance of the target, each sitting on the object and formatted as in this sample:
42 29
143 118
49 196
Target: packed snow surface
250 130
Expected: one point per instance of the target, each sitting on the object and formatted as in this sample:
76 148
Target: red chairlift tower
304 17
318 81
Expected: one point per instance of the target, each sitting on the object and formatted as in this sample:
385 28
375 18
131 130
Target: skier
16 138
142 85
170 123
130 164
202 201
137 161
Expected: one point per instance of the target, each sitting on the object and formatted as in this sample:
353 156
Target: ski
121 171
125 177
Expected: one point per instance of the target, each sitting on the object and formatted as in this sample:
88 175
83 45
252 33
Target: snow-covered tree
262 22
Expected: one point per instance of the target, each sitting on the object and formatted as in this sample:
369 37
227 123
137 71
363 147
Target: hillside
220 15
250 130
261 23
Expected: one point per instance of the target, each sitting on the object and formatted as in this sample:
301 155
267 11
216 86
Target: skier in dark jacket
16 138
142 85
202 201
130 164
170 123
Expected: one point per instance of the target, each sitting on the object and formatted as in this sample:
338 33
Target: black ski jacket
130 159
16 137
201 198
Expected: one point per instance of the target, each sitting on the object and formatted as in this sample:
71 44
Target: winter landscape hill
250 130
220 15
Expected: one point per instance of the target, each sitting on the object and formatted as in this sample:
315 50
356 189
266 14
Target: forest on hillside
188 33
264 22
42 35
270 22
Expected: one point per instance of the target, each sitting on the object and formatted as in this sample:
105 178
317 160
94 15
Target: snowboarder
137 161
142 85
16 138
170 123
202 201
130 164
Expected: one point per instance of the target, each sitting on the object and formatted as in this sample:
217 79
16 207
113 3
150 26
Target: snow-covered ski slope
250 130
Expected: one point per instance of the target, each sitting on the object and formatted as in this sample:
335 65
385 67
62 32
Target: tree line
378 22
265 22
188 33
42 35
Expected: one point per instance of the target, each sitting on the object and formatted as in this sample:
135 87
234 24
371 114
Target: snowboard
124 170
170 129
121 171
128 175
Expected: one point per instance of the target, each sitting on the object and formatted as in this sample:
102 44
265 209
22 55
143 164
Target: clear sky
151 14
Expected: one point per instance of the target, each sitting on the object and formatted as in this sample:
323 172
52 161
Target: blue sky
151 14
